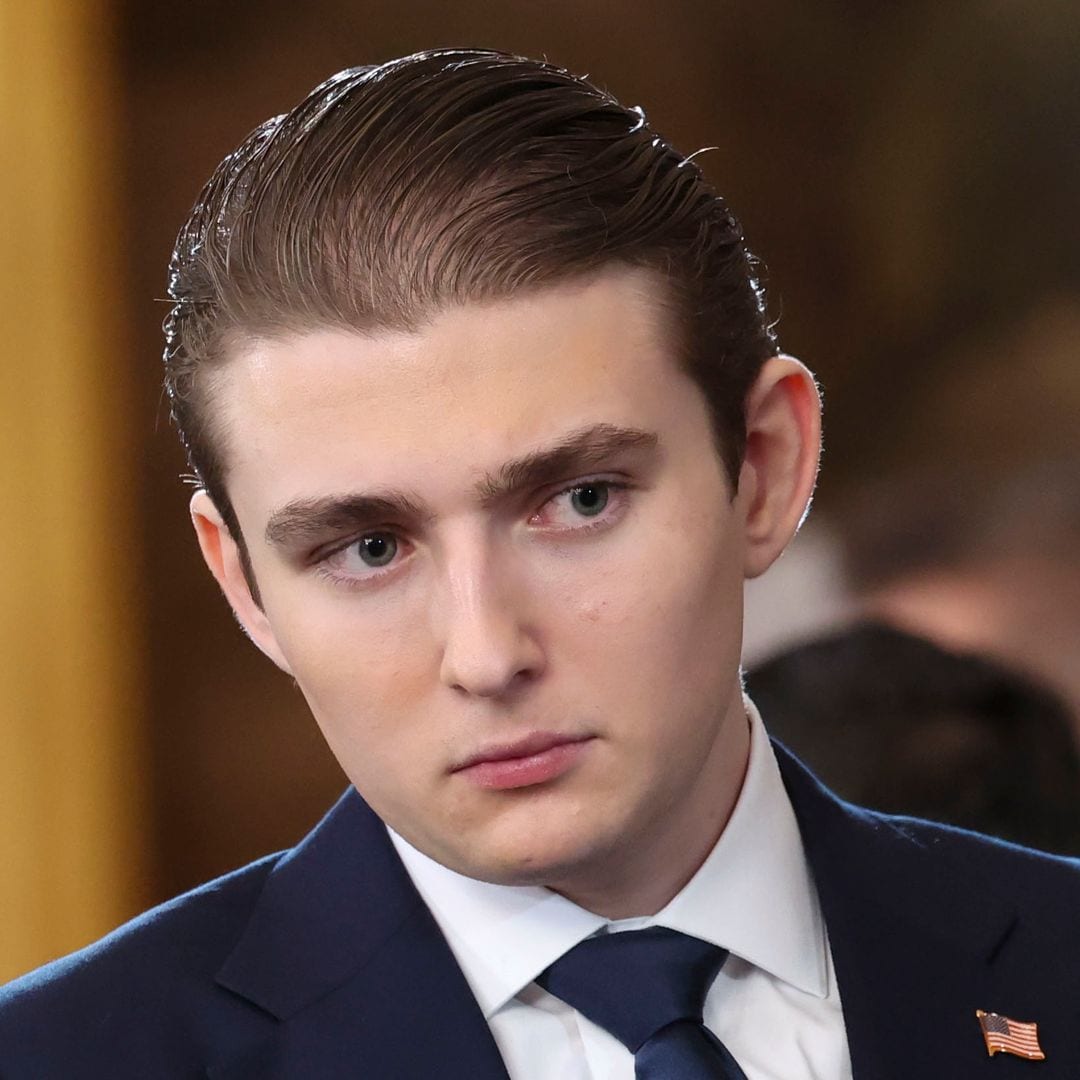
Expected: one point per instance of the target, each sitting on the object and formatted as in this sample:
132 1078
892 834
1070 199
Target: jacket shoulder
126 990
946 875
1034 879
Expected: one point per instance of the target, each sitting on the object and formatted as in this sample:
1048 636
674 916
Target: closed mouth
537 743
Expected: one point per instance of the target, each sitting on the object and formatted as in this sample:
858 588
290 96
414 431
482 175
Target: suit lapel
355 979
353 973
919 940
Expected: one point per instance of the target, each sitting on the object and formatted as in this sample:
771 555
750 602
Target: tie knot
635 983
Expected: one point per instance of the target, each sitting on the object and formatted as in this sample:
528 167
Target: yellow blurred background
909 174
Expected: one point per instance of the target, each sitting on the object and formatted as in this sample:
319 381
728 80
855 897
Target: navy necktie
647 988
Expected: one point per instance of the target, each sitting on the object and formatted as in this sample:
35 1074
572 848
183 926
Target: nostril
490 682
492 667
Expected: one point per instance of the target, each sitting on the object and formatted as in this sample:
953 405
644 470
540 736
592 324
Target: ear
783 445
222 556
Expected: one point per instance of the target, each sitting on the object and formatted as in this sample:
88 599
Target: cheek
645 626
362 666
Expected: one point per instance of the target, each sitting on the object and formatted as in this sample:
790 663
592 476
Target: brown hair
442 178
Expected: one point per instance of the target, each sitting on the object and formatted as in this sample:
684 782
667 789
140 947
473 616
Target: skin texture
508 610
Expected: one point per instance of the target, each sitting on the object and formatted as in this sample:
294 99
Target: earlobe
783 445
222 556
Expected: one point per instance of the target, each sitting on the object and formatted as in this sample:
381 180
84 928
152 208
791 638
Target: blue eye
590 499
377 549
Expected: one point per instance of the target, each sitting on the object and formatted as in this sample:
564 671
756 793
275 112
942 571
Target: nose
489 646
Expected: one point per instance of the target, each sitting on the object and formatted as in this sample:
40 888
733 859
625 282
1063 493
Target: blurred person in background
896 722
979 559
490 425
960 519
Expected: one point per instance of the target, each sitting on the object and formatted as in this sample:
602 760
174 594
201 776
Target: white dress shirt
775 1003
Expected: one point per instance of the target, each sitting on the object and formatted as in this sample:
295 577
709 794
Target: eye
589 499
377 549
587 505
361 560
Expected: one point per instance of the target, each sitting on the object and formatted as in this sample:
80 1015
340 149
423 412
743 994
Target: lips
536 759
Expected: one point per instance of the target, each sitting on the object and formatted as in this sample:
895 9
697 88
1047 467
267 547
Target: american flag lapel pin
1007 1036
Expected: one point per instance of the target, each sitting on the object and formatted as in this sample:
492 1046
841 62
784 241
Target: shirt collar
753 895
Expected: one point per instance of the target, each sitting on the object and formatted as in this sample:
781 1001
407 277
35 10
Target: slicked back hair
440 179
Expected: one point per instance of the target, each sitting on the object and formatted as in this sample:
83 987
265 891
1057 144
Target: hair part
446 178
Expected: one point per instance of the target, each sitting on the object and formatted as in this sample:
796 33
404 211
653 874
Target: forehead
473 386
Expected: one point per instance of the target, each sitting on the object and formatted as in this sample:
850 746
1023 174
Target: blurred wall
74 856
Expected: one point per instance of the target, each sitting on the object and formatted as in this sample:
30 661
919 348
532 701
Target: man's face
502 561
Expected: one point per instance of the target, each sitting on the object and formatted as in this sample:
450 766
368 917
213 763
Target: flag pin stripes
1007 1036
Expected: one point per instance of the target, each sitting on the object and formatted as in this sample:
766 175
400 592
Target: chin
533 862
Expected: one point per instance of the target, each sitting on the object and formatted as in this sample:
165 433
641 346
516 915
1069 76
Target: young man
491 427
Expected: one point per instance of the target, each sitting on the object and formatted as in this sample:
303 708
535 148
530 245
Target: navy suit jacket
324 962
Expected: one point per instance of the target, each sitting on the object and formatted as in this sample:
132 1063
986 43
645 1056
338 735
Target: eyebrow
576 453
308 520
